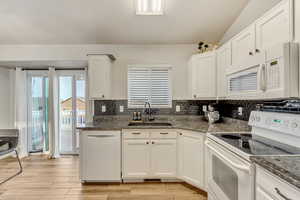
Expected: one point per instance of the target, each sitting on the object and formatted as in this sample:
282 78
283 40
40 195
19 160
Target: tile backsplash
227 108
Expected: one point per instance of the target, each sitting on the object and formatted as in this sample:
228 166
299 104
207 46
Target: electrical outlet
103 109
204 108
240 111
177 108
121 109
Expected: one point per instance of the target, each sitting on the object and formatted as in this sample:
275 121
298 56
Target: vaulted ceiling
114 22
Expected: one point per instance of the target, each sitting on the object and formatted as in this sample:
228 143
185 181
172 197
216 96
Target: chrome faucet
149 112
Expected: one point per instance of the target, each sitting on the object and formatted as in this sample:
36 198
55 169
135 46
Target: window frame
152 67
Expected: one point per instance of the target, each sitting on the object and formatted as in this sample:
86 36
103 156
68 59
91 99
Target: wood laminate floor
58 179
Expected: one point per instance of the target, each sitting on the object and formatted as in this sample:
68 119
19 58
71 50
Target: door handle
237 166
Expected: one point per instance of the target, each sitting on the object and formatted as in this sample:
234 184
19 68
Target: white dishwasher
100 156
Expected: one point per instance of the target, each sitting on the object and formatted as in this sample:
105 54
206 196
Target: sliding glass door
71 109
38 90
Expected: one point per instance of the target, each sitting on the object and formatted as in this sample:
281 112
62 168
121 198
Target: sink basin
149 124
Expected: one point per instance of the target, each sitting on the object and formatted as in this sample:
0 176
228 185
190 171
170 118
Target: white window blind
149 85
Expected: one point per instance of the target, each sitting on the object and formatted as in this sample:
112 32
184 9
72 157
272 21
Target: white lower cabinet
148 155
136 158
163 158
191 158
270 187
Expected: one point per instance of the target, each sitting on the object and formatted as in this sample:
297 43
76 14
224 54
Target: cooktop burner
255 145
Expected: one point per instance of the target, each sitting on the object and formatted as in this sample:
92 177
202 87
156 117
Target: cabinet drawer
135 134
163 134
273 186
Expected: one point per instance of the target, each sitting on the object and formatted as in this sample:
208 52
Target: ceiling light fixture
149 7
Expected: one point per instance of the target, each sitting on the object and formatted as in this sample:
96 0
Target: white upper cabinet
275 26
99 77
202 76
223 63
243 47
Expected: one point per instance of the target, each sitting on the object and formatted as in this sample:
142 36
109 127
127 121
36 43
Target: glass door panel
38 139
71 109
66 114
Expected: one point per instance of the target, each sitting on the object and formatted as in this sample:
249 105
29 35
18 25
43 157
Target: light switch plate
103 108
177 108
240 111
204 108
121 109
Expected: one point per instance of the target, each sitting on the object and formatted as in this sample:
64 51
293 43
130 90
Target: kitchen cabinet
163 158
100 156
243 48
275 26
191 158
202 76
99 77
223 64
270 187
136 158
149 154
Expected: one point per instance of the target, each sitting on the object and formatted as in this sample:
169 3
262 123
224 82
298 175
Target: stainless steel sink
149 124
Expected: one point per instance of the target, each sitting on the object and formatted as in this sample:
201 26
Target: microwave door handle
262 80
242 168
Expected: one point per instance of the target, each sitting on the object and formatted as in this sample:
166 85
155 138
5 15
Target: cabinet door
101 156
136 158
243 48
223 63
99 72
203 74
163 158
275 26
192 158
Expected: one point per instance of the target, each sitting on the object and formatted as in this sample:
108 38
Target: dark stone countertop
193 123
285 167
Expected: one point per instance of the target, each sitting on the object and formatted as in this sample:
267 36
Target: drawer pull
282 195
136 133
164 133
153 142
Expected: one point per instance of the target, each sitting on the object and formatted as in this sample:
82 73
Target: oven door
229 176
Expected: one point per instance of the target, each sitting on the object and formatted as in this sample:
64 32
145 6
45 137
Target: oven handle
242 168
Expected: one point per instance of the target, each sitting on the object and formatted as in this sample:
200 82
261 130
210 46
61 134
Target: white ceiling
114 22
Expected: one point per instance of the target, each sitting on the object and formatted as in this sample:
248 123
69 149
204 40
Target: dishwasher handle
101 136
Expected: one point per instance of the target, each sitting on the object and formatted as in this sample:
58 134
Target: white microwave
276 77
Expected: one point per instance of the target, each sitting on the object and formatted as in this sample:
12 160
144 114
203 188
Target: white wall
6 99
253 10
175 55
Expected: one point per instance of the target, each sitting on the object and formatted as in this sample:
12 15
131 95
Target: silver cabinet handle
282 195
164 133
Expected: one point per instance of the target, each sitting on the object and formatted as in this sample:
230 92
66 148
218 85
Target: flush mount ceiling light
149 7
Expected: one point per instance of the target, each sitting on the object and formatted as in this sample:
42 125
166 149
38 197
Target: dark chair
8 144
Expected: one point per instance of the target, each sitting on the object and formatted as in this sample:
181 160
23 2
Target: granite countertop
285 167
193 123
